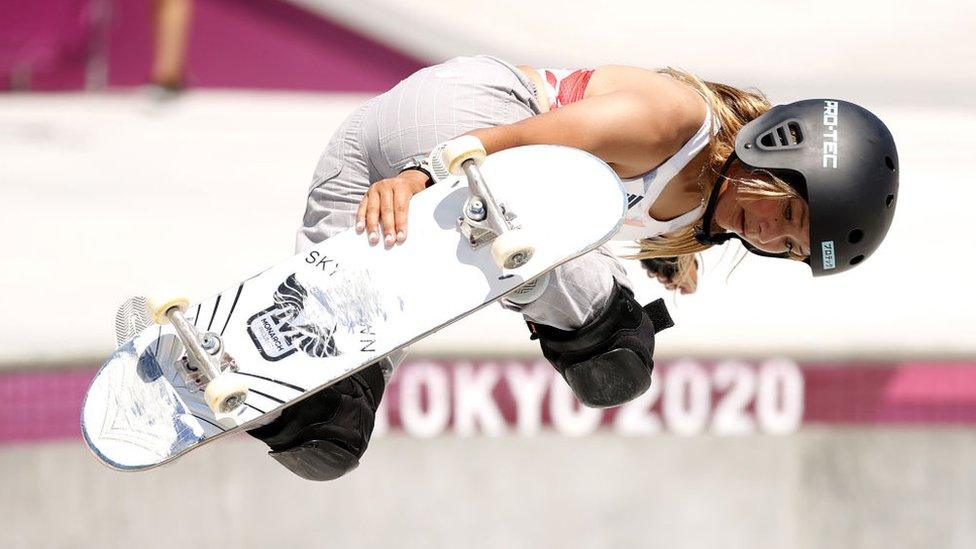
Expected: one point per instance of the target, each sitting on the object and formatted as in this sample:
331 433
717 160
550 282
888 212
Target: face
774 225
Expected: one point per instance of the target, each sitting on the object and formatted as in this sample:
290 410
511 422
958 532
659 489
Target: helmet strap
703 233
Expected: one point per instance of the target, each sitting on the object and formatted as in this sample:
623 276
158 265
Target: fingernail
389 240
373 237
360 226
401 236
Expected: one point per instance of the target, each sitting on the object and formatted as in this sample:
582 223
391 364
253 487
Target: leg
574 293
431 106
171 30
592 330
324 436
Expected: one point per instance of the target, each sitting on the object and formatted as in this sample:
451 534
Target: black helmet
841 159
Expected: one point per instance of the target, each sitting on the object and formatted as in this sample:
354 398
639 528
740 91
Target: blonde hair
731 109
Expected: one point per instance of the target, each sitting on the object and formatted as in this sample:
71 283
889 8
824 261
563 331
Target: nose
765 231
771 230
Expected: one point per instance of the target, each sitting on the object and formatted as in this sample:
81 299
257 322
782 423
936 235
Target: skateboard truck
197 374
206 362
483 219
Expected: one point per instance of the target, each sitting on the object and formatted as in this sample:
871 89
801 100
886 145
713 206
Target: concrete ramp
911 489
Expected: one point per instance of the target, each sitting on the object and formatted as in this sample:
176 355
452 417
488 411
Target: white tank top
643 191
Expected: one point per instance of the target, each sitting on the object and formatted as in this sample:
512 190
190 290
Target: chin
723 213
722 219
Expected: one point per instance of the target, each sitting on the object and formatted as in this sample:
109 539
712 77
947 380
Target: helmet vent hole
890 163
795 132
786 135
857 259
889 200
855 236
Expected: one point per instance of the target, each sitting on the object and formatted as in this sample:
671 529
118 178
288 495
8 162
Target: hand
384 207
665 270
685 286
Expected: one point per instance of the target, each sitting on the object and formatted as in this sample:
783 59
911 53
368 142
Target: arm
642 120
633 130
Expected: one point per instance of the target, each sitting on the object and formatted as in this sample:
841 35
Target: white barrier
107 195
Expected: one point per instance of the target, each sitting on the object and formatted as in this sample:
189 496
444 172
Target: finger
386 216
373 215
361 214
401 206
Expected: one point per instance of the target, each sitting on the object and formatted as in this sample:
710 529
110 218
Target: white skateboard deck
318 317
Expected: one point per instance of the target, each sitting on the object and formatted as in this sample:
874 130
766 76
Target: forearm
498 138
552 128
624 129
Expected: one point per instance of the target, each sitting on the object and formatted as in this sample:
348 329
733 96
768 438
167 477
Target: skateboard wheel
458 150
512 249
225 393
159 307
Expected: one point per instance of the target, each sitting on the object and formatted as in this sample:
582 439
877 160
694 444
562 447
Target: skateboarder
669 135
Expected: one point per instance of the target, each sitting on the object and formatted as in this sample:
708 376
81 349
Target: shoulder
672 101
668 111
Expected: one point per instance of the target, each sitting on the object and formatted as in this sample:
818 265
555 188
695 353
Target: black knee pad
609 361
324 436
610 379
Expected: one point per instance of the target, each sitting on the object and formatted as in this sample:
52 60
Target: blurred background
171 142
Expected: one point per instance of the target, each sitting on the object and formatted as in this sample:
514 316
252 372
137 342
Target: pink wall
49 36
260 44
431 398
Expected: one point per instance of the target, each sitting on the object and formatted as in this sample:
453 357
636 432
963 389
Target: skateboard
186 374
